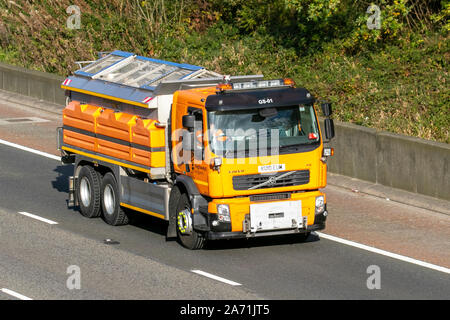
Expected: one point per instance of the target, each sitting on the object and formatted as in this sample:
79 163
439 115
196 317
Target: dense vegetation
393 78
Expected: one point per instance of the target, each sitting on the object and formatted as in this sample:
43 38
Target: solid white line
15 294
209 275
384 253
41 153
37 217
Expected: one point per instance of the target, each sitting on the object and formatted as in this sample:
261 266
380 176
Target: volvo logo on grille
271 181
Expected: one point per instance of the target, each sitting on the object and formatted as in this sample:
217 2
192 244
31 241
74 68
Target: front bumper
319 224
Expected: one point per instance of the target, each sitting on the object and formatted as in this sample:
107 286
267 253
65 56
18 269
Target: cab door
197 167
188 125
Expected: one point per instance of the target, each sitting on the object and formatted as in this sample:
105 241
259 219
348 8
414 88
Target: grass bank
400 85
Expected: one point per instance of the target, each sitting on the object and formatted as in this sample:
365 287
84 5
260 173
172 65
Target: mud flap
173 202
199 221
172 228
72 201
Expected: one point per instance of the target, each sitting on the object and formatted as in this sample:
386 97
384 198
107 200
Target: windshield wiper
294 147
298 145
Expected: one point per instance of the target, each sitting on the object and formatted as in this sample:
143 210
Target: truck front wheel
188 237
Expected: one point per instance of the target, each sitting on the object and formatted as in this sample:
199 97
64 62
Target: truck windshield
278 129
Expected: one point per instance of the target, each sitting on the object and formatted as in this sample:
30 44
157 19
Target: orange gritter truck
216 157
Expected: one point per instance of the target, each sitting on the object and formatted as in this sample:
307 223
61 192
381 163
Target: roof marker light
248 85
289 82
223 86
258 84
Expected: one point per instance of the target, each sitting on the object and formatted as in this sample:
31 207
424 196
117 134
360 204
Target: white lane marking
37 217
384 253
15 294
323 235
209 275
41 153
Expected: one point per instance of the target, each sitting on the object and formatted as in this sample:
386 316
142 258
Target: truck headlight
223 213
320 204
328 152
217 162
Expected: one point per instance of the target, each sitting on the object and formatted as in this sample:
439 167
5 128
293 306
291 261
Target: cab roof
261 98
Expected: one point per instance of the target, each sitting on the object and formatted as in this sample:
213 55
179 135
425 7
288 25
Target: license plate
276 215
271 168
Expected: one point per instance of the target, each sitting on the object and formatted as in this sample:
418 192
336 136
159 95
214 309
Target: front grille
271 197
246 182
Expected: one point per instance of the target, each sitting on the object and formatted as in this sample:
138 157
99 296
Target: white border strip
38 218
17 146
209 275
15 294
384 253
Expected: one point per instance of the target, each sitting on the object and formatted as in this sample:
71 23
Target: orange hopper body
115 134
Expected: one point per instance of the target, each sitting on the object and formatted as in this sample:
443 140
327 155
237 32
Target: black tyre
175 195
302 237
187 236
88 192
113 213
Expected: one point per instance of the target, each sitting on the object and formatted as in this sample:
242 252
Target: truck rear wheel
188 237
113 213
88 191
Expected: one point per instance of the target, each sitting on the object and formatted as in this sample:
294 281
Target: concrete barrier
413 164
40 85
394 160
389 159
355 151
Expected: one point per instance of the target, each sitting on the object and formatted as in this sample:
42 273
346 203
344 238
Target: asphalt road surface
37 258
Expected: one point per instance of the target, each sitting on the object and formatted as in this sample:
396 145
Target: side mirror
188 121
329 129
326 109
